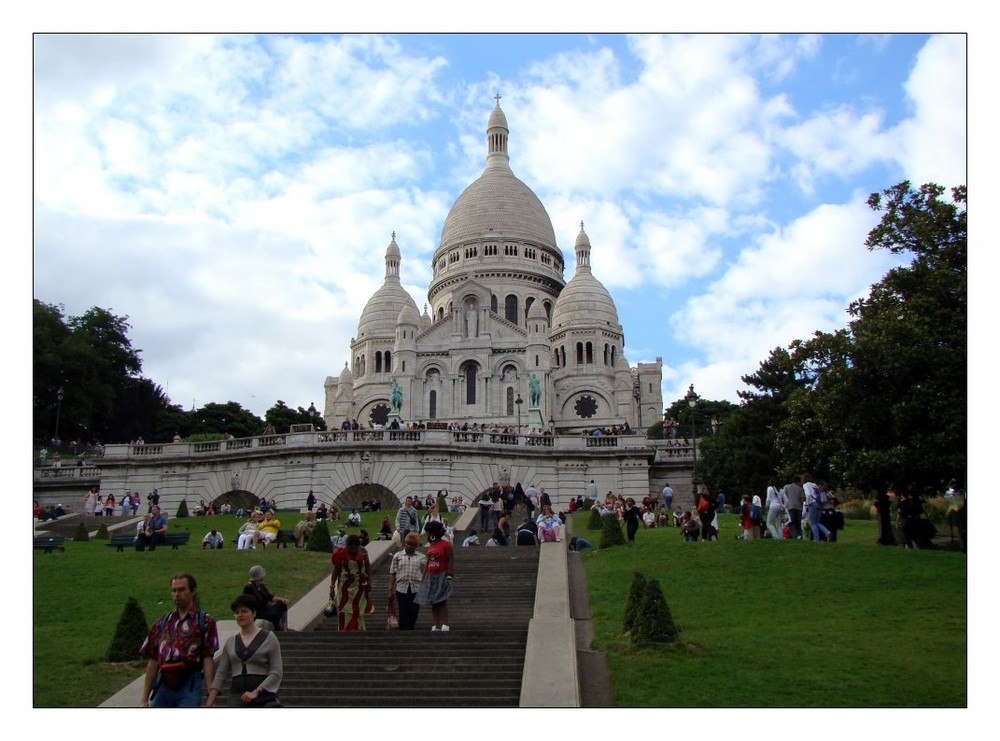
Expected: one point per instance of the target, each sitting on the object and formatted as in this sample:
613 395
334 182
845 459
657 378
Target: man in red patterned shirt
179 651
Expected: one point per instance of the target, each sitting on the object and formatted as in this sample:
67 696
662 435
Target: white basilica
505 327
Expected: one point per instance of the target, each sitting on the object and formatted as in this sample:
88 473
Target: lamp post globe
692 400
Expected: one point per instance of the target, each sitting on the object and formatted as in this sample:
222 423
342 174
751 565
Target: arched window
579 353
510 401
388 362
613 349
378 362
590 353
441 313
493 304
606 355
469 371
362 364
527 305
510 308
432 403
555 357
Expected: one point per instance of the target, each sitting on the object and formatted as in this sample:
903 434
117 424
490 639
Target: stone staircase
479 663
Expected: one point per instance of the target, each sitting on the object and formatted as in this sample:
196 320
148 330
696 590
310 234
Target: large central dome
497 205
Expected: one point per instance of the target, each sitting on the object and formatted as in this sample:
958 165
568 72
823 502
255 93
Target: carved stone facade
500 311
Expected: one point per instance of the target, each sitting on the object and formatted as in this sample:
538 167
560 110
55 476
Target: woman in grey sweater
250 661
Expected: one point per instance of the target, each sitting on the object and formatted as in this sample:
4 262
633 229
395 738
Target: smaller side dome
345 375
409 316
584 302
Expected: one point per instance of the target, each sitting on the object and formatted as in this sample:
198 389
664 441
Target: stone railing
335 438
69 472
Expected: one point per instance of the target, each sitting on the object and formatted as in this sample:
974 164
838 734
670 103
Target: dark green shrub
319 539
102 533
594 522
82 536
653 623
130 633
611 532
182 509
635 592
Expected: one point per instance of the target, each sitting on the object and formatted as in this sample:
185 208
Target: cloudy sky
234 194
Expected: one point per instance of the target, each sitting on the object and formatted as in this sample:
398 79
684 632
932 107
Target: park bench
174 538
49 543
284 538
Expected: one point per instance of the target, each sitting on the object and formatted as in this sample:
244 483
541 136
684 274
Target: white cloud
933 141
785 286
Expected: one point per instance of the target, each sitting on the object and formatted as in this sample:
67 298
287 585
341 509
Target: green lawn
785 624
78 597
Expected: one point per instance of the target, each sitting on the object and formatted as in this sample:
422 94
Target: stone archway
238 499
353 496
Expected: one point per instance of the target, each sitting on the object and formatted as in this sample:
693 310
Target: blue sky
234 195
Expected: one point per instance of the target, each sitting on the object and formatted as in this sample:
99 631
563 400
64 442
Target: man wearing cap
340 539
179 650
272 607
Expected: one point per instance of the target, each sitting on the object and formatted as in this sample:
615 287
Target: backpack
755 513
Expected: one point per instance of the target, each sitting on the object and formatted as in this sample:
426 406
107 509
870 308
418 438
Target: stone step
473 665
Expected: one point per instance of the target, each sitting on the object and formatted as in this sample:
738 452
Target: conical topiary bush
594 521
319 539
182 509
632 603
129 634
82 536
102 532
611 532
654 623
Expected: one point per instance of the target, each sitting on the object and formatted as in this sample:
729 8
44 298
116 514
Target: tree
741 456
90 358
885 400
283 417
230 417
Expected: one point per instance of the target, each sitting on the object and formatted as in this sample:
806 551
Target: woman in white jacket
776 503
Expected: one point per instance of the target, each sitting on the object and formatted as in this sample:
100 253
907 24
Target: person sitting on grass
213 540
354 519
689 528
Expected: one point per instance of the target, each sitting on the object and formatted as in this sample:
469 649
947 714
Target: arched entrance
238 499
354 496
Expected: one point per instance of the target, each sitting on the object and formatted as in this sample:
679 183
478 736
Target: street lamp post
518 402
59 397
692 399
